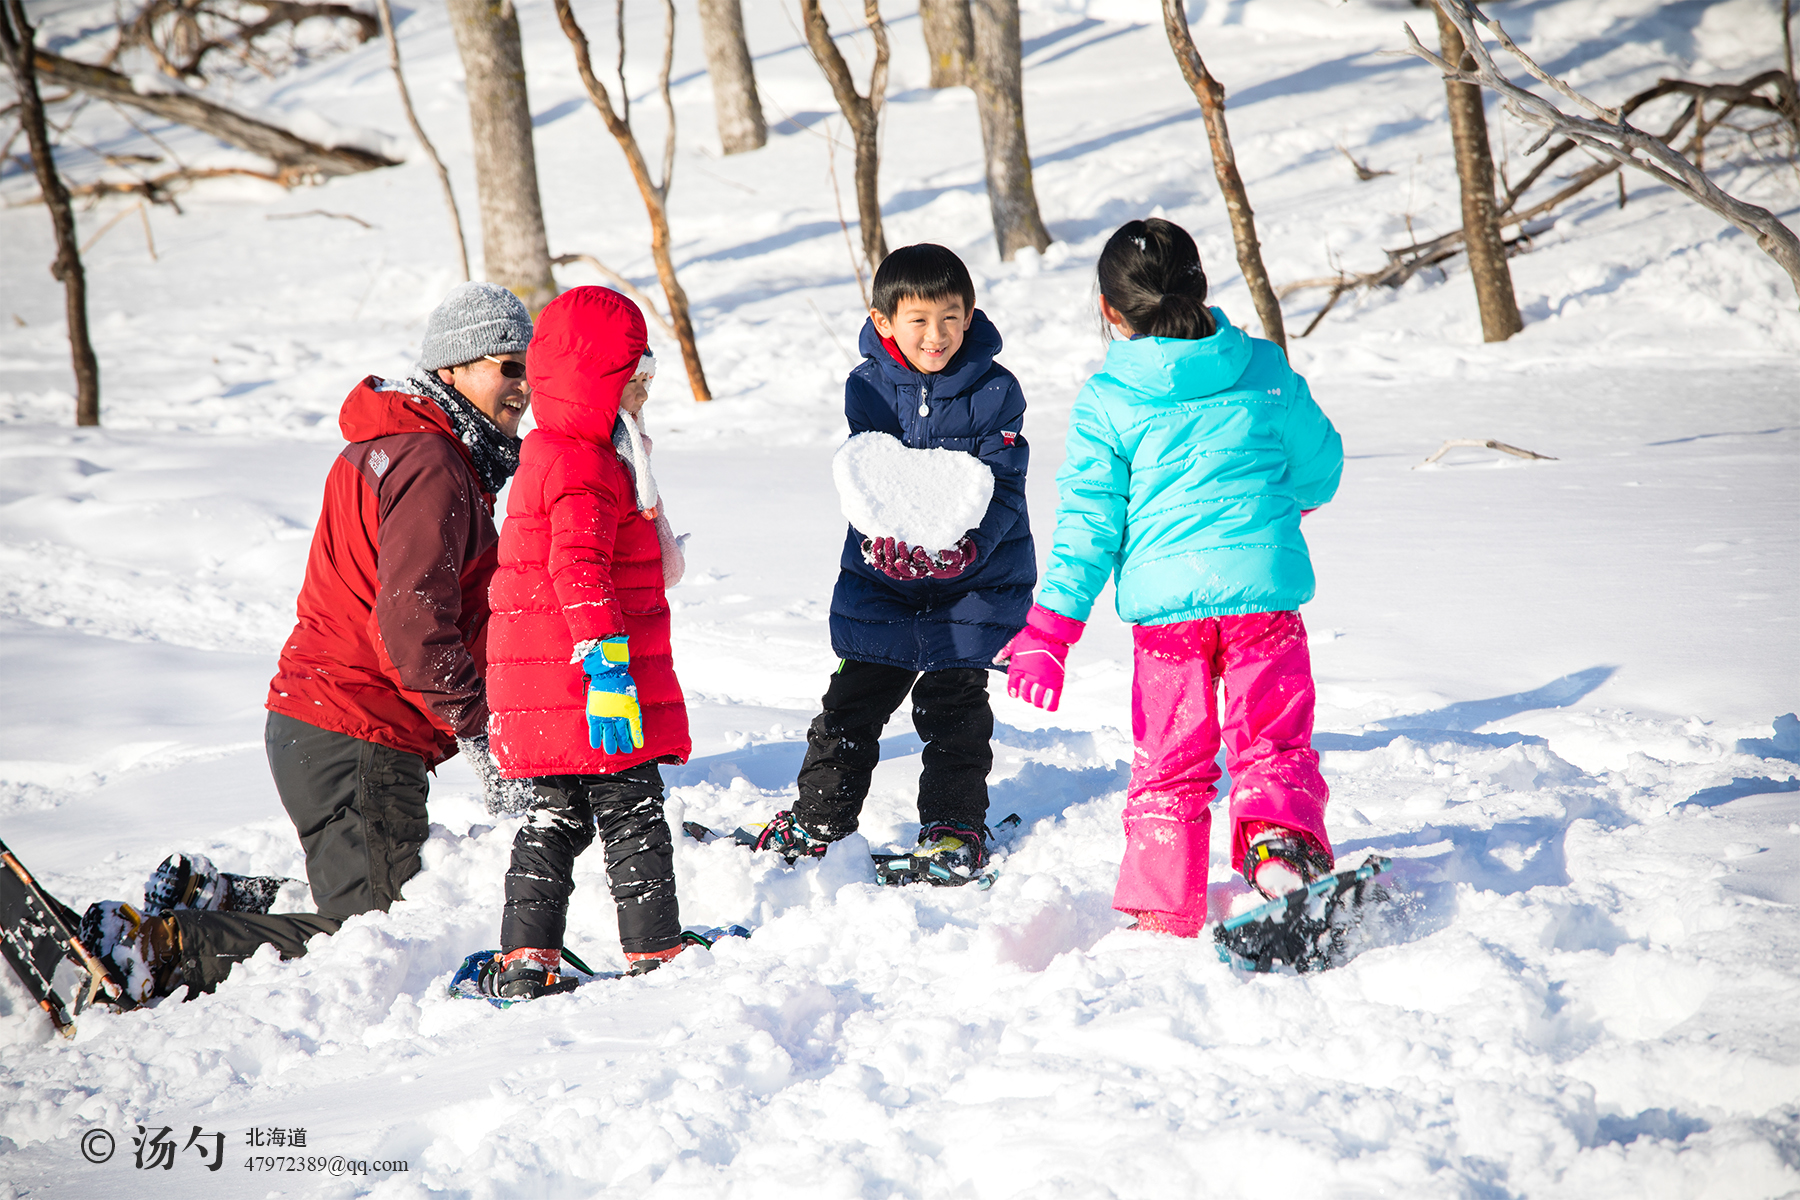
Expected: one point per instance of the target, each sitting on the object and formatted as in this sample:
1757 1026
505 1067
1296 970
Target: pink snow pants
1262 660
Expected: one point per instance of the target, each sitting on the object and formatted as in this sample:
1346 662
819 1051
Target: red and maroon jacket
577 559
394 612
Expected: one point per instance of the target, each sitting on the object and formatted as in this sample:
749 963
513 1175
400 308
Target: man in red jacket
382 678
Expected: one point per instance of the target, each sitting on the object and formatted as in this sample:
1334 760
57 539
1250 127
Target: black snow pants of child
949 709
359 808
640 861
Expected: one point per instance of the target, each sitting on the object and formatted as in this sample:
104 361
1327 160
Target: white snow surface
926 498
1548 689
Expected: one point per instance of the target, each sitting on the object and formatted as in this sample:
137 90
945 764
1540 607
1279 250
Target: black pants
627 807
950 711
359 809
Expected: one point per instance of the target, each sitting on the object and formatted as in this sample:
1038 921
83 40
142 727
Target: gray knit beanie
473 320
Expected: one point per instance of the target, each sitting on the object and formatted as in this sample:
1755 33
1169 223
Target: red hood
585 350
379 407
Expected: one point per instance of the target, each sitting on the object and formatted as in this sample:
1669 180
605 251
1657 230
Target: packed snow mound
926 498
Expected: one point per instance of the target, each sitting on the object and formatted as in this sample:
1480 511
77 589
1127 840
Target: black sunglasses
508 367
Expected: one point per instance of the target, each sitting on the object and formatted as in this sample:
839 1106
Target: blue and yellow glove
615 723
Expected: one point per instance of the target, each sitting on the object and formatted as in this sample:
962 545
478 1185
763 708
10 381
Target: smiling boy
925 620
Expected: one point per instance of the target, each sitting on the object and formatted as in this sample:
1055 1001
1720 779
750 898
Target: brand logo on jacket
378 462
1009 437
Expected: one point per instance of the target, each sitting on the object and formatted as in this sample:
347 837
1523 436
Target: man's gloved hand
948 564
502 795
615 723
895 559
1034 658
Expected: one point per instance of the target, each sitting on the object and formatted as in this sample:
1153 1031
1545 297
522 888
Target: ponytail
1150 272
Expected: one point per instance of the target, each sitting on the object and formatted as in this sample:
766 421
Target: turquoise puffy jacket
1188 465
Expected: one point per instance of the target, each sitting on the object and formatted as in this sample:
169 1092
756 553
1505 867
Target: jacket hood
980 344
1181 368
586 349
379 407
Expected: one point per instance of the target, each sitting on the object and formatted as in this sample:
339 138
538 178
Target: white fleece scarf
632 444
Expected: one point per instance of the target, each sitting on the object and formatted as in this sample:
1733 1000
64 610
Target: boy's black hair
1150 271
923 272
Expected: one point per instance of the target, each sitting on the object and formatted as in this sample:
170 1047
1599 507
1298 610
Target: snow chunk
926 498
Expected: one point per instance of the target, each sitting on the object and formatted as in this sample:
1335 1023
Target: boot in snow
1151 921
525 974
958 847
1278 860
644 962
786 836
145 951
191 881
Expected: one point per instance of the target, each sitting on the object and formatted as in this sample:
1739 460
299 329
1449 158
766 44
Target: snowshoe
39 939
1309 929
486 975
191 881
947 855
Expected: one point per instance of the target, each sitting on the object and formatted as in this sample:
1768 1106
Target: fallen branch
157 191
1363 173
1406 262
1606 132
622 284
296 159
171 30
1489 444
318 212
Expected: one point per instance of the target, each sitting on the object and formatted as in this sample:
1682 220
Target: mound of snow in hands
925 498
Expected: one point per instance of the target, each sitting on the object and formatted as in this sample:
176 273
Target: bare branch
655 196
622 284
412 118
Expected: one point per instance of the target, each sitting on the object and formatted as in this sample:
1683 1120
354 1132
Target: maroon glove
948 564
893 559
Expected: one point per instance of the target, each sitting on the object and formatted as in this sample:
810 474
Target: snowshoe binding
1308 929
786 836
1278 860
948 855
143 951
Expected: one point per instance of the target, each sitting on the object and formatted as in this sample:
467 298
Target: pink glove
948 564
1034 658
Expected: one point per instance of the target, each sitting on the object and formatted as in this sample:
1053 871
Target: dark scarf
496 455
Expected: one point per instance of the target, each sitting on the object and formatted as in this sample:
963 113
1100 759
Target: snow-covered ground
1550 690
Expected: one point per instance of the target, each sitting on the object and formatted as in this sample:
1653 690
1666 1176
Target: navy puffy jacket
974 405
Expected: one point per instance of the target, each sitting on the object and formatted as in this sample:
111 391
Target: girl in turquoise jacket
1191 457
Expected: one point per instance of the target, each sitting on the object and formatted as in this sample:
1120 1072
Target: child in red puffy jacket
581 683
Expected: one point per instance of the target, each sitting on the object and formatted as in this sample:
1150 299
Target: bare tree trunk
735 103
656 195
1481 219
1211 94
997 78
412 118
949 41
297 160
16 38
862 112
514 250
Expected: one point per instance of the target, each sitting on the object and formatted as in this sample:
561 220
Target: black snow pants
627 807
359 809
949 709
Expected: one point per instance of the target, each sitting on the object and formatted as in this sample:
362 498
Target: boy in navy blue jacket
907 619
